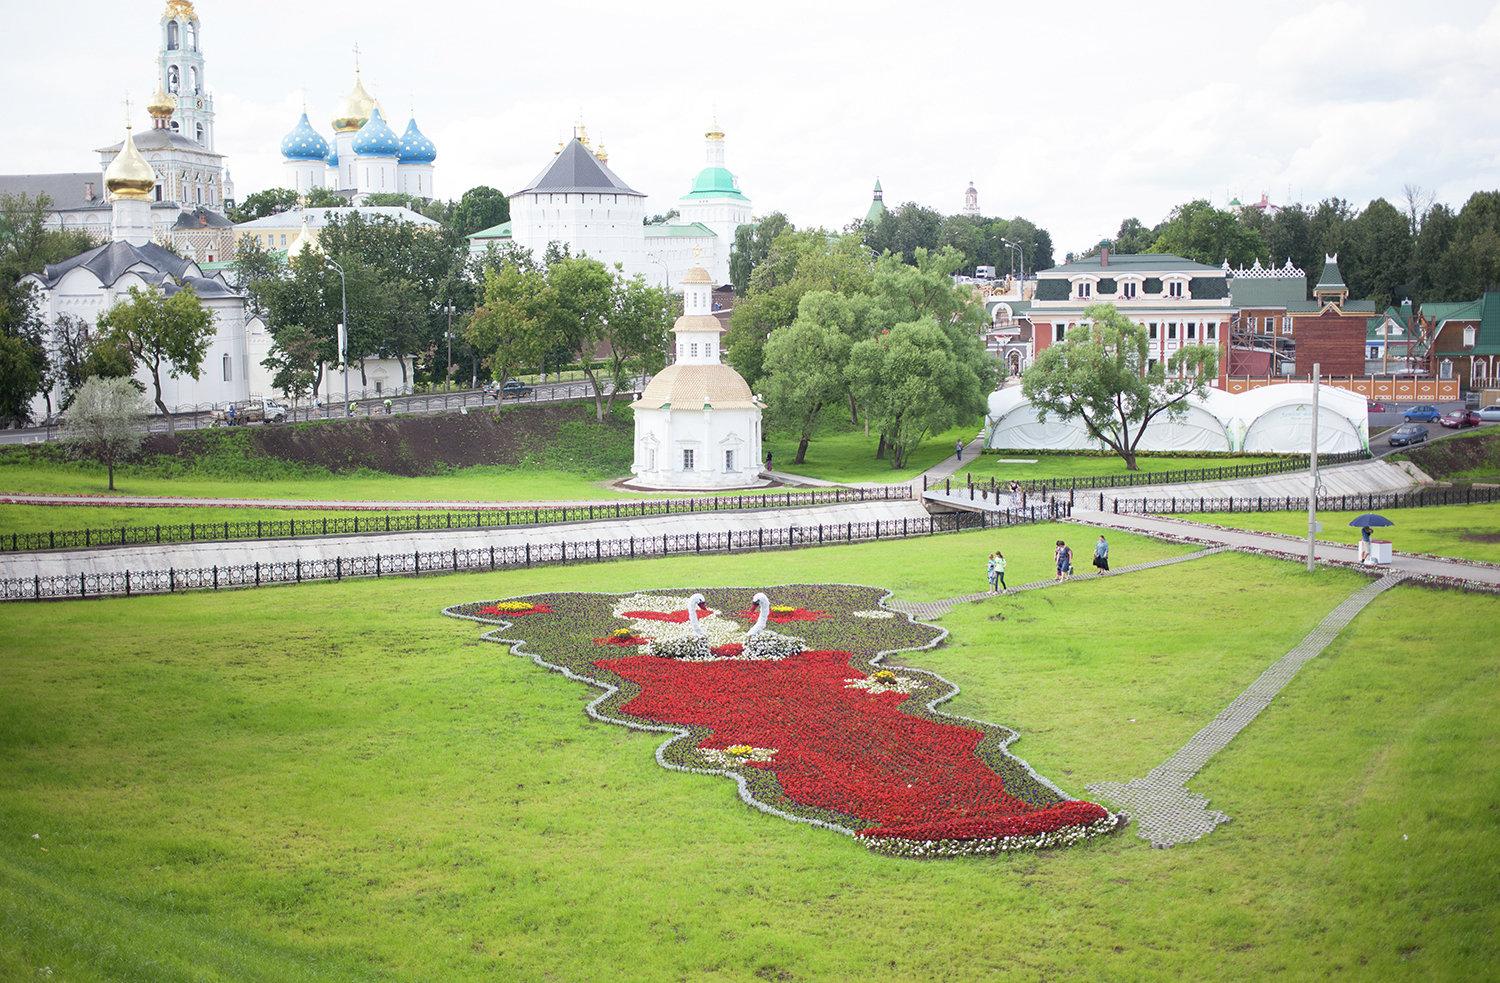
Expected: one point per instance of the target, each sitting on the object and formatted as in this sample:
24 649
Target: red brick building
1331 339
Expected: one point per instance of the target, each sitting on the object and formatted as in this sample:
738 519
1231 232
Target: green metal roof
1270 292
673 230
1135 263
715 182
1466 310
1331 276
876 210
501 231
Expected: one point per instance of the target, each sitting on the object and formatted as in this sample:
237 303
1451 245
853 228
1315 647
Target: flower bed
783 613
513 609
816 731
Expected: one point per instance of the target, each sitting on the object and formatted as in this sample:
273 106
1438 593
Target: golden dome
714 132
357 108
581 134
697 274
129 175
602 154
180 10
162 105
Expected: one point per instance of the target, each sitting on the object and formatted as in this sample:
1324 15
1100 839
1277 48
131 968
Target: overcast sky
1074 115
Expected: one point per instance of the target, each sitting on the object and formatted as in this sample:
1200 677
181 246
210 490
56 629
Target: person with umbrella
1365 523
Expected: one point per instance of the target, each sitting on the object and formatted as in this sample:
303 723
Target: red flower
624 641
842 748
729 648
782 617
495 611
675 617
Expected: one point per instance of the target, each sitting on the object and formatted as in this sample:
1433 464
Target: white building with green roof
717 204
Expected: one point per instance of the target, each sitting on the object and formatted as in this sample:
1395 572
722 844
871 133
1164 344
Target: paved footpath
1404 563
1165 811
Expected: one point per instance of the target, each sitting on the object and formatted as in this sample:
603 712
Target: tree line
1420 250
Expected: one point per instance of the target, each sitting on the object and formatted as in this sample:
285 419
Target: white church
697 424
579 201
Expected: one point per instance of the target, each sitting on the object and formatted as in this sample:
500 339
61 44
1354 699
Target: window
1286 324
379 385
1445 371
1151 329
1211 330
695 349
687 459
1469 337
172 36
193 80
1174 289
1192 331
1171 330
729 460
1085 289
226 368
1059 331
1128 289
174 80
1373 353
680 348
1252 322
1477 370
199 131
192 38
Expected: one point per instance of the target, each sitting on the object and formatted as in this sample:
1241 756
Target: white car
1490 414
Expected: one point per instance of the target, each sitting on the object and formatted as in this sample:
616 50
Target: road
549 392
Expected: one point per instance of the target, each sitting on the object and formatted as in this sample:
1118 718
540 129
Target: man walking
958 450
1101 554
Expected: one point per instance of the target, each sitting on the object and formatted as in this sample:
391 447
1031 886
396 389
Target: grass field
1003 468
1468 532
843 453
334 781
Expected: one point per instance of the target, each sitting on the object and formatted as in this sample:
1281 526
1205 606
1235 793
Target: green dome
715 182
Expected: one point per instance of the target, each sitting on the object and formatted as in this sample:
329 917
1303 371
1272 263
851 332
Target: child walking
997 572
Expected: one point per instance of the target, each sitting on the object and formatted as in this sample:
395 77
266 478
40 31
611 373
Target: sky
1075 115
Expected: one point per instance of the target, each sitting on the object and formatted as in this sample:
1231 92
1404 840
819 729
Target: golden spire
581 133
715 132
358 106
180 10
162 105
129 175
602 154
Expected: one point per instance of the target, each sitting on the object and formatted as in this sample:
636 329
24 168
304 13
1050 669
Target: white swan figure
759 642
763 644
694 605
763 606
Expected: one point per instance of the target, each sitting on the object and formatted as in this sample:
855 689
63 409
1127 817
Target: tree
1377 261
910 383
161 332
1102 376
259 204
294 359
23 364
635 333
480 208
805 365
752 243
1200 232
104 421
663 218
582 298
507 327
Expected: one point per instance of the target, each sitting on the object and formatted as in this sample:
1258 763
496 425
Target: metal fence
172 580
1132 479
486 517
1331 503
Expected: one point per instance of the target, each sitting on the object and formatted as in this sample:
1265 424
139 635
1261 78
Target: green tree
582 298
752 243
1377 261
23 365
259 204
805 363
480 208
1101 375
1439 226
508 327
170 334
911 383
104 421
635 332
1200 232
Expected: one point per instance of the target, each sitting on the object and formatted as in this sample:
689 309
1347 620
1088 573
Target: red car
1459 419
1377 407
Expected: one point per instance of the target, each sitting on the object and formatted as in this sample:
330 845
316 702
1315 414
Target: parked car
1410 433
1376 406
1490 414
510 389
253 411
1426 413
1459 419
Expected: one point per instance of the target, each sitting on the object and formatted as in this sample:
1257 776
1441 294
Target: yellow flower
739 750
620 633
514 606
883 675
782 609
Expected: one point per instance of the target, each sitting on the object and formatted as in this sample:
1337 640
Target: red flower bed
624 641
728 648
495 611
674 617
844 749
782 617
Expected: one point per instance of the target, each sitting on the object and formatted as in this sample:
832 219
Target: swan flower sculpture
706 631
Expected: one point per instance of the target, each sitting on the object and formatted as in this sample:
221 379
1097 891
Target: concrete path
1165 812
1177 529
203 555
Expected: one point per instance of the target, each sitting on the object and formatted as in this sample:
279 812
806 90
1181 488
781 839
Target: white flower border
1063 836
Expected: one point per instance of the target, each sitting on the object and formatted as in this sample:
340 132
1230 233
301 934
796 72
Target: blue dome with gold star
415 147
304 142
376 139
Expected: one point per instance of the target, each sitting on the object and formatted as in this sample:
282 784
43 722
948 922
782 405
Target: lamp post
666 271
1017 251
1312 490
448 366
344 325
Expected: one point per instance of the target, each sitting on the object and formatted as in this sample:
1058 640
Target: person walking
958 449
991 573
387 407
997 564
1364 544
1064 557
1101 554
768 462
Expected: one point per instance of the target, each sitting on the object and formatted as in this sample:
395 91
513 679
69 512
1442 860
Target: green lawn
1004 467
334 781
843 453
1469 532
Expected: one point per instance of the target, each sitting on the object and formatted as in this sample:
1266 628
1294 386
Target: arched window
174 79
199 131
176 127
192 38
1478 370
193 80
172 36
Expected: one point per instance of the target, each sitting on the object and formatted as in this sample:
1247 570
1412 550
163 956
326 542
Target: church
365 156
193 187
579 201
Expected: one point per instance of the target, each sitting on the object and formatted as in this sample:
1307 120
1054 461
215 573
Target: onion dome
180 10
162 105
304 142
376 139
129 175
602 154
332 160
357 108
415 147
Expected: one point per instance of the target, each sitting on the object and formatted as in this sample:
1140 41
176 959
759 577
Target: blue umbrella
1371 519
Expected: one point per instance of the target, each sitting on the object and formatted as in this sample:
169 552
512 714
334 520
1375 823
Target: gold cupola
581 134
602 154
357 108
129 175
180 10
715 132
161 107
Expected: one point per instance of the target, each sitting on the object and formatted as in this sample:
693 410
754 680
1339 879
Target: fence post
632 547
127 583
299 569
528 554
697 542
377 566
257 574
338 569
171 581
416 561
216 577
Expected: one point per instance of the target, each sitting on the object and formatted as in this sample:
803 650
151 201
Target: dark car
1422 414
1459 419
511 389
1411 433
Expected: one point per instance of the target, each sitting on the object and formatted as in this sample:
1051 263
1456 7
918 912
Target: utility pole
448 368
1312 491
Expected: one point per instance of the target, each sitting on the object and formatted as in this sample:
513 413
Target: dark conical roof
575 168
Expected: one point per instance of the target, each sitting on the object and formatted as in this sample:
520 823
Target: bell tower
181 72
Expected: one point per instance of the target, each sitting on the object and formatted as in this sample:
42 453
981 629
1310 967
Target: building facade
1462 341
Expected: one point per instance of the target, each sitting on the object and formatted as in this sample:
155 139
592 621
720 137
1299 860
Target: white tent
1274 419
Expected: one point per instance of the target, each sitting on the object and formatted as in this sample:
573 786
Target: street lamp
1015 252
344 340
448 368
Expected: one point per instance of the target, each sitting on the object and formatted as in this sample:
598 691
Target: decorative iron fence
129 583
1133 479
1331 503
431 520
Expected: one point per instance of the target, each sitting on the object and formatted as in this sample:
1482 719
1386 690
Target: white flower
726 759
874 614
901 684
